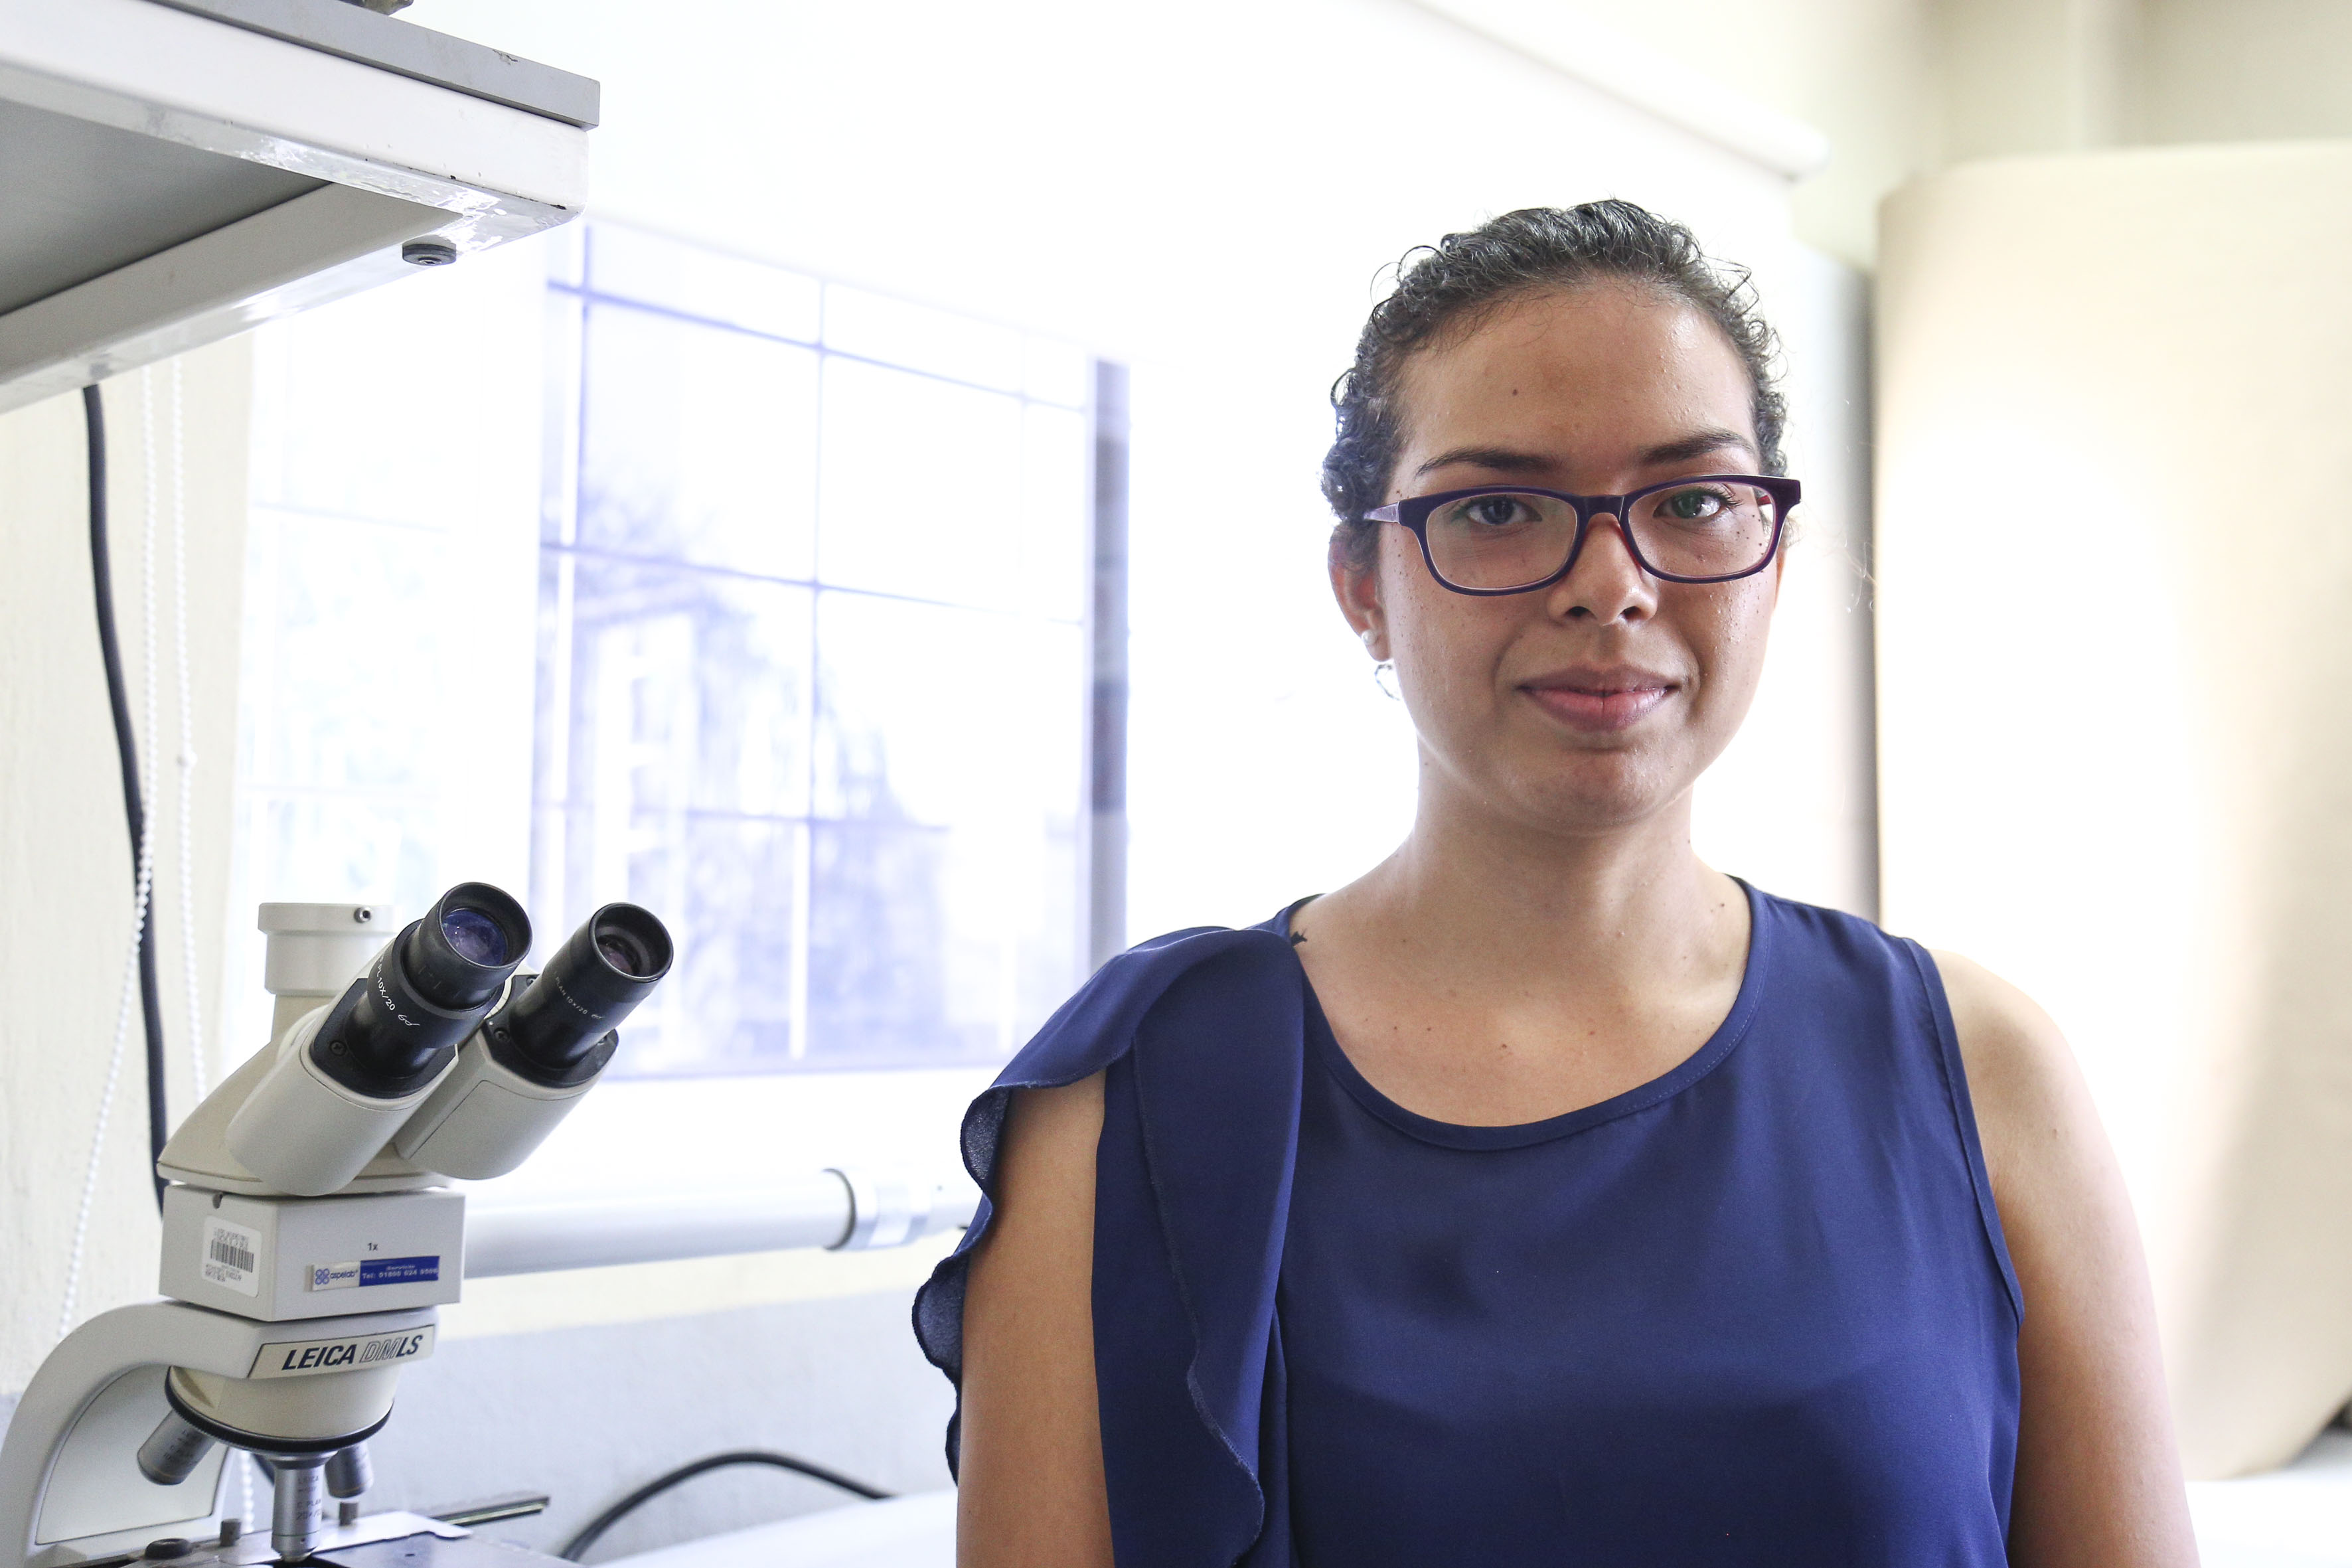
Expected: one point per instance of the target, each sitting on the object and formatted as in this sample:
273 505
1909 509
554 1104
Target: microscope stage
434 1551
387 1540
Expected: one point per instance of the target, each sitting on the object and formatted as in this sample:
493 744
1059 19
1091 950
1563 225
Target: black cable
577 1547
126 746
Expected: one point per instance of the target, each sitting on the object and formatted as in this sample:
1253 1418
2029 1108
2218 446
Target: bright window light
760 600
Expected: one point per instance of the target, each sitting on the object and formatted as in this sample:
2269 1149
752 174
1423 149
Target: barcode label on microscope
232 1257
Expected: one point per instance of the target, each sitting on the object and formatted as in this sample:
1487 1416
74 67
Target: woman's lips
1598 706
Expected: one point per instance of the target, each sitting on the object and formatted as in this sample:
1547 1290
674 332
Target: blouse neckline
1324 1045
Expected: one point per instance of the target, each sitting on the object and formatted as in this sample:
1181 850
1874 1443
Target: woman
1544 1195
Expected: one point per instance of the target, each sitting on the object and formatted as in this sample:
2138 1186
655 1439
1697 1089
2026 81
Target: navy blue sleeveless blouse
1756 1311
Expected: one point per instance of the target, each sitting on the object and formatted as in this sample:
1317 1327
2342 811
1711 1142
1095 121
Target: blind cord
184 824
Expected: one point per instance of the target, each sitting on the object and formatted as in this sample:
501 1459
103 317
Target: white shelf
175 171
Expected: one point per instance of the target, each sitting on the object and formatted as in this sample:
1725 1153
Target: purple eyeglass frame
1414 515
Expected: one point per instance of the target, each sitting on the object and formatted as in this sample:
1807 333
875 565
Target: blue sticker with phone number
400 1270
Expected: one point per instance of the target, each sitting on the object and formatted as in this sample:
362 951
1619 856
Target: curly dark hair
1504 258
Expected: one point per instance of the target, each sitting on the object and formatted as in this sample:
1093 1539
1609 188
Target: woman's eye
1495 512
1693 506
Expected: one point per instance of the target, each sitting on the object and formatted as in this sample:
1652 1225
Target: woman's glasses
1501 539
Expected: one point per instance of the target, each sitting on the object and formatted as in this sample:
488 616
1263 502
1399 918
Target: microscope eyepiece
542 1051
596 979
424 993
474 935
461 953
628 951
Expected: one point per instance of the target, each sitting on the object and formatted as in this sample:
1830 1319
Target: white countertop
2296 1517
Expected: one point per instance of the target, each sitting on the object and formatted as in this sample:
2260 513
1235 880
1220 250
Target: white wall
1792 805
1864 72
2242 70
65 859
1908 87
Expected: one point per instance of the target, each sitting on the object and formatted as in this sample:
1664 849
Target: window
803 633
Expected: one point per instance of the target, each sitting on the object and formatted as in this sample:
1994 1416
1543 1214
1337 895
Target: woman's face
1596 701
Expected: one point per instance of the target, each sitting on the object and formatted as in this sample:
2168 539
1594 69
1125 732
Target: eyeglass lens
1510 538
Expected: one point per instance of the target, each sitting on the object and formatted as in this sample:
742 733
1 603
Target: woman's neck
1621 906
1493 974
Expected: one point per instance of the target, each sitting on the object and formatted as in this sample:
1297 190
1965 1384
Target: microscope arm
70 1469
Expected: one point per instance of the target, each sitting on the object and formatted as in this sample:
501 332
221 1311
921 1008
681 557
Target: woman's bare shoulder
2014 1051
1045 1186
1032 1476
2043 1143
2097 1482
1047 1119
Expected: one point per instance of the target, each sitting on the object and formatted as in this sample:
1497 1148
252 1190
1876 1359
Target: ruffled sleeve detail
1200 1037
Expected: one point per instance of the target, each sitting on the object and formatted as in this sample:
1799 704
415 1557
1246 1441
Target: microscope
309 1237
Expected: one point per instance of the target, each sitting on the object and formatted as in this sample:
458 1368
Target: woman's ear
1357 589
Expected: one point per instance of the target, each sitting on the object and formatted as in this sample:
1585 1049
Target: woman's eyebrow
1506 460
1699 444
1501 458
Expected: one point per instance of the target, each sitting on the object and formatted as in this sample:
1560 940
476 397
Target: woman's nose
1607 583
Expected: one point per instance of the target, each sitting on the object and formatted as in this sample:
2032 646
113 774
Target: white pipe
529 1236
